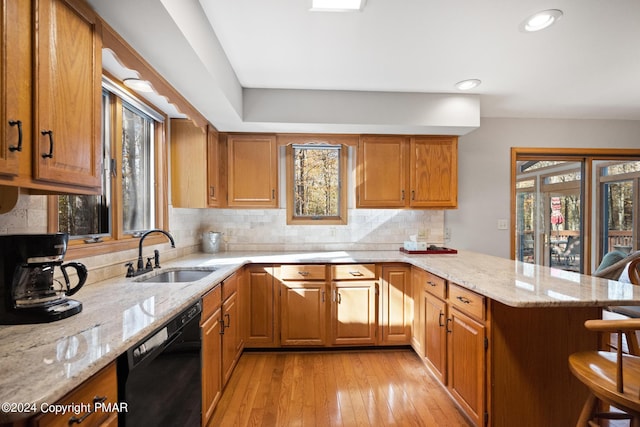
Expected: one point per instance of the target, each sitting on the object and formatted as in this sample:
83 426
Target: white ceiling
587 66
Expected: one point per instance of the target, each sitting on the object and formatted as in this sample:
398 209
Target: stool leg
587 412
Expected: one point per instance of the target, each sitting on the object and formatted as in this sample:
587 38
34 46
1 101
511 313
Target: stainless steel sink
178 275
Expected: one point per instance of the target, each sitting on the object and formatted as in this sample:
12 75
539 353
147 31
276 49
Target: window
131 201
316 190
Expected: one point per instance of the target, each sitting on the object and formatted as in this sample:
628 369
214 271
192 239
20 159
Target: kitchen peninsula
530 318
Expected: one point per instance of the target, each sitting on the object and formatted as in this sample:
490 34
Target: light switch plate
503 224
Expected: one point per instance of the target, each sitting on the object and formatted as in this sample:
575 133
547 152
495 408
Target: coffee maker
29 292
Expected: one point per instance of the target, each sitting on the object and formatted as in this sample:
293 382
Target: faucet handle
148 266
156 256
130 271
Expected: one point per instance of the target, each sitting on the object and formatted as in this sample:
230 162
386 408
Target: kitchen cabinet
381 172
418 278
195 175
15 93
434 314
101 388
252 170
466 348
395 304
260 306
232 340
303 308
211 328
354 290
407 172
52 96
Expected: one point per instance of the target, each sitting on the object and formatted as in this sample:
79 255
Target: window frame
118 240
344 141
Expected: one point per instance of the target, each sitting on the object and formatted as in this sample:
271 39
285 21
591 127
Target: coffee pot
30 292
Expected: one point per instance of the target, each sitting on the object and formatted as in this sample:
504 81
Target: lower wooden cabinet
101 388
435 335
258 291
232 339
395 305
353 312
466 364
211 327
303 313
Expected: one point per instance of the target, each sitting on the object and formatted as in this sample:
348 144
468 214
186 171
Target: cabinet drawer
211 301
435 285
467 301
229 286
102 387
353 271
302 272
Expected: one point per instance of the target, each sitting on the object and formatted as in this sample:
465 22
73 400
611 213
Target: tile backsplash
249 230
367 229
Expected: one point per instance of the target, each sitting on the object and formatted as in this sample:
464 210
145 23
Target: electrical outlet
447 233
503 224
422 233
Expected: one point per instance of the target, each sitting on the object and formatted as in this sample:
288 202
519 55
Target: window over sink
131 200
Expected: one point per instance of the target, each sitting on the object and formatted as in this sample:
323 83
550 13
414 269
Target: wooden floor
363 388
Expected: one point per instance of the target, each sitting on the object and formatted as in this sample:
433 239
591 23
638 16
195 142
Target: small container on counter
211 241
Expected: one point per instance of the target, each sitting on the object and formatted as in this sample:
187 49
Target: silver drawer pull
76 420
355 273
430 283
303 273
464 300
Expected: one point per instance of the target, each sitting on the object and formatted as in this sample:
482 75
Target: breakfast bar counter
535 319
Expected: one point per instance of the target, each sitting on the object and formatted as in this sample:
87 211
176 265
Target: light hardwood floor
334 388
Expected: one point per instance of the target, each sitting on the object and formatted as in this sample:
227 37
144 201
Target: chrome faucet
141 266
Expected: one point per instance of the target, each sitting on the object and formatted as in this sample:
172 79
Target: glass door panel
549 214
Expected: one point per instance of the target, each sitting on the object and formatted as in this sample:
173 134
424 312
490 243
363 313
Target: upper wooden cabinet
68 79
433 168
195 166
252 171
51 72
407 172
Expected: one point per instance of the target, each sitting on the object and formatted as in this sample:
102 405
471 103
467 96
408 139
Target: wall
484 165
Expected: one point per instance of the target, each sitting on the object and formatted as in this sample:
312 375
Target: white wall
484 166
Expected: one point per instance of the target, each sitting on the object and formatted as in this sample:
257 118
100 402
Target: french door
570 207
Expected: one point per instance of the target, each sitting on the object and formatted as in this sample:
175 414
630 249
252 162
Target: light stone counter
39 364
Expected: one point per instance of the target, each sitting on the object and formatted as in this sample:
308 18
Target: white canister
211 241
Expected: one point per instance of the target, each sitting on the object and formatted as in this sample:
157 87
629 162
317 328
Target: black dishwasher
160 377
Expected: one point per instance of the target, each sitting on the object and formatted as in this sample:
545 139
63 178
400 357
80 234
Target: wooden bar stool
613 378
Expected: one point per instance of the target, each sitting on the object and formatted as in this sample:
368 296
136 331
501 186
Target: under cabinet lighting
468 84
138 85
541 20
336 5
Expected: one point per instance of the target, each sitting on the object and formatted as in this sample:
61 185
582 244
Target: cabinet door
259 307
68 74
252 171
395 313
103 386
231 339
303 313
467 361
381 172
188 165
215 191
418 278
435 335
15 90
211 364
353 318
434 172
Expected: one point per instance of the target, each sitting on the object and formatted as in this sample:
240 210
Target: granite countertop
39 364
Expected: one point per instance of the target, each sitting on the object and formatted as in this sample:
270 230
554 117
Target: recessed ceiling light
337 5
138 85
468 84
541 20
